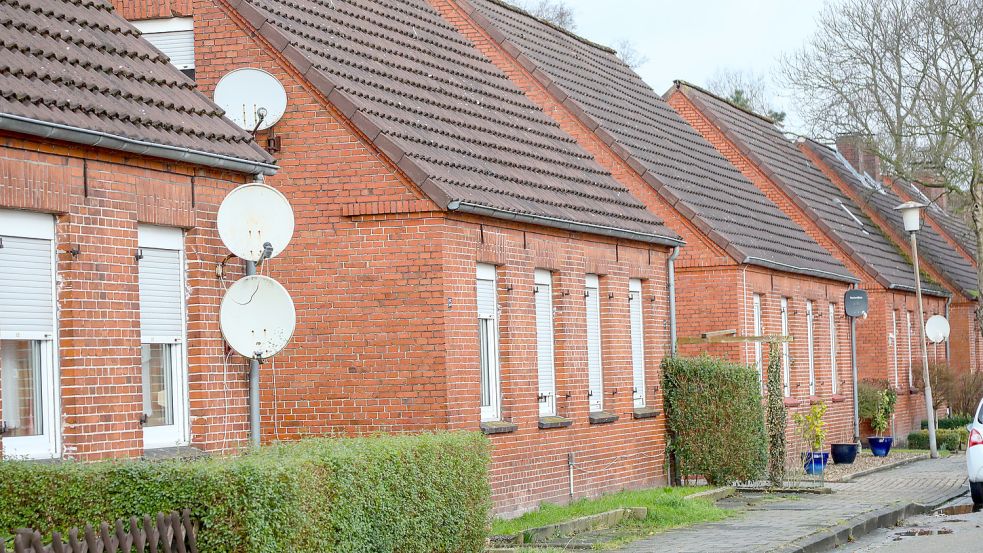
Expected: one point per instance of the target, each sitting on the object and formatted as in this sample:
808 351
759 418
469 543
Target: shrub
955 421
812 427
715 419
777 416
876 401
965 393
407 493
952 439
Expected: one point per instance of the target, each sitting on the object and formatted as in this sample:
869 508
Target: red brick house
747 266
940 258
784 173
112 166
461 262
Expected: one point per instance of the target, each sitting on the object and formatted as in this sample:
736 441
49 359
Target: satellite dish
252 215
251 98
257 317
936 329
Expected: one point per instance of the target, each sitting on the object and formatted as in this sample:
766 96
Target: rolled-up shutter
174 37
595 378
637 341
544 343
27 308
161 285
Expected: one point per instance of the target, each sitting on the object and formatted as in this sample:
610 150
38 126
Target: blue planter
880 446
816 462
844 454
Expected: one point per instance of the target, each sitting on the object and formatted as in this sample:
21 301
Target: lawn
666 509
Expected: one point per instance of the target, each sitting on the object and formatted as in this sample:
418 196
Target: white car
974 456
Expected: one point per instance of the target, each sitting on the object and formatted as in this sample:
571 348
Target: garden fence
172 533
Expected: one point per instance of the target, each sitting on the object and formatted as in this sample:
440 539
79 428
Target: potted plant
880 445
844 454
812 428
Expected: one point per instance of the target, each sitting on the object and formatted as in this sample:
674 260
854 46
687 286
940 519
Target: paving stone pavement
778 524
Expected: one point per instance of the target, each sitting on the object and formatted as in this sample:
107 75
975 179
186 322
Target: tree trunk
976 190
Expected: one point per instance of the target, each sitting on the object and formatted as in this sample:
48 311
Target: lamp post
911 212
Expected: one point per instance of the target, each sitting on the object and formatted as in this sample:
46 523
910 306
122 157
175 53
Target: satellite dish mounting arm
267 253
260 117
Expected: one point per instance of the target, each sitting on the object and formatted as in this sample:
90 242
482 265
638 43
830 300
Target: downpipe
671 277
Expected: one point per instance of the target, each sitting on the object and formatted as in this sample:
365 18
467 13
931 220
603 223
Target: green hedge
952 439
421 493
715 418
959 421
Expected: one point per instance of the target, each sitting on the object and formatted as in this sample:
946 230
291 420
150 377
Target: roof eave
767 263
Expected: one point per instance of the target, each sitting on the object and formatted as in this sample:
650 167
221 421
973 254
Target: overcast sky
692 39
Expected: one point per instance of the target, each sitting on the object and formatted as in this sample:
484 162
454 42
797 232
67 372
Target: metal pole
853 357
254 435
921 333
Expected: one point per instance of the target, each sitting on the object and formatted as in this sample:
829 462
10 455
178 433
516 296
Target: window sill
498 427
792 402
913 391
815 400
554 422
183 452
645 413
837 398
602 417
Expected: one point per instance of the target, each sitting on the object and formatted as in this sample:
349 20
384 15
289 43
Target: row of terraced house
499 226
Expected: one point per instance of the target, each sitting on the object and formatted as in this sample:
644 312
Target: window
786 360
758 357
174 37
595 373
894 345
488 343
911 356
162 329
637 341
832 348
28 381
810 344
544 343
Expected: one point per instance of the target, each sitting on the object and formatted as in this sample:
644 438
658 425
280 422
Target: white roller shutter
161 286
786 356
595 377
758 331
27 307
810 343
488 342
637 341
174 37
544 343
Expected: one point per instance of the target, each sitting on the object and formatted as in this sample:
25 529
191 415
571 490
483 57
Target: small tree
812 427
777 417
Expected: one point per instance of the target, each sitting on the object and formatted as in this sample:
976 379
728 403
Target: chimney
929 174
856 150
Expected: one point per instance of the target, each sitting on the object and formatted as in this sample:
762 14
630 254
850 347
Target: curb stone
901 463
861 525
713 495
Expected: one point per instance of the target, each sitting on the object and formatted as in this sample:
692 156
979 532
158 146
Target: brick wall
135 10
100 198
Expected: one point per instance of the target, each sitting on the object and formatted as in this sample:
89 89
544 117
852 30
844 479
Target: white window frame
758 331
811 345
636 319
545 351
832 349
595 364
175 434
911 355
894 344
47 445
489 331
786 355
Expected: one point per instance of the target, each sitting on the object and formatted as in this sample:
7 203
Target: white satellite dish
936 329
257 317
252 215
251 98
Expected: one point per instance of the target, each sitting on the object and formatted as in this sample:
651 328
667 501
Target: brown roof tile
832 210
76 63
657 143
406 76
956 228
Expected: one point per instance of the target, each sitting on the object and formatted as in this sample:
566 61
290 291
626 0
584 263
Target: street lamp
911 213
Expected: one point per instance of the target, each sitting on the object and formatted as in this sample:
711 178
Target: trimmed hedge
715 418
952 439
958 421
423 493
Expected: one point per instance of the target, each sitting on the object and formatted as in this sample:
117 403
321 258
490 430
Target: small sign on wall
855 303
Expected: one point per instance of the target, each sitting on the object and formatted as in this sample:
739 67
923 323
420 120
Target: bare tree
629 54
554 11
745 89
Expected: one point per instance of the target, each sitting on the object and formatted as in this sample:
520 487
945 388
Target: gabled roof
881 200
74 70
832 210
454 123
656 142
955 227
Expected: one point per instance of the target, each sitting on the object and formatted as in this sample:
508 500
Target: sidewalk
812 522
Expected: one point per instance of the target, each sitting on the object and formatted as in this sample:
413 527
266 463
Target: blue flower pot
880 446
844 454
816 462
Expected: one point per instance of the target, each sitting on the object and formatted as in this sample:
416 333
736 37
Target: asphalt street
954 528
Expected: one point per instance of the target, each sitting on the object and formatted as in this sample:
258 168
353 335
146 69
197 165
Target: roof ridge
563 30
681 82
